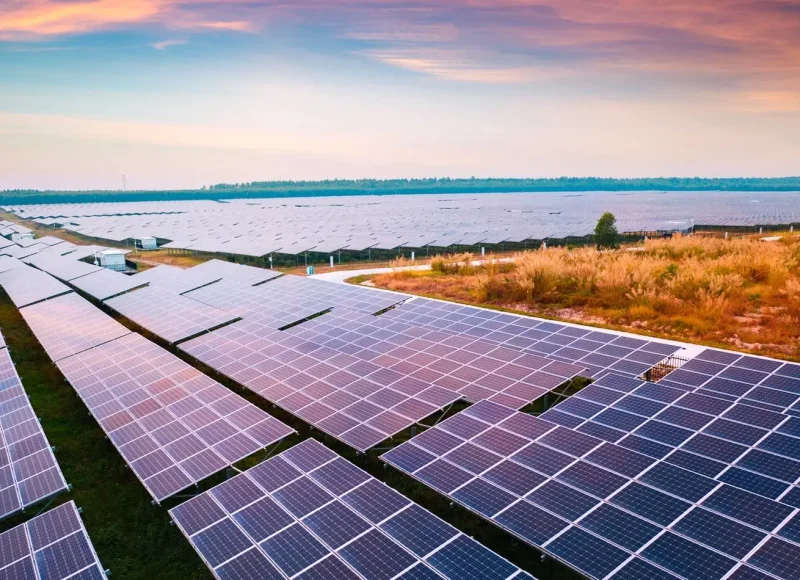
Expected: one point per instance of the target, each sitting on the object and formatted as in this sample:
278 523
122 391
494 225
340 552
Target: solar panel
593 351
309 513
599 507
324 387
8 263
295 296
359 222
727 441
251 303
173 425
354 378
52 546
27 286
168 315
68 324
64 269
106 284
177 280
20 252
29 471
240 273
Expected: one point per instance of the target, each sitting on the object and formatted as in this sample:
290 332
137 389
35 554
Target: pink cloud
493 41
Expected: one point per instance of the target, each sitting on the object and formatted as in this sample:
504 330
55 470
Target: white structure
146 243
23 236
111 259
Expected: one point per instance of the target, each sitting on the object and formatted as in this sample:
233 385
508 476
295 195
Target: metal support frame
559 395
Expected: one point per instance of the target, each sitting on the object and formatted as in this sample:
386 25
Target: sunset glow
188 93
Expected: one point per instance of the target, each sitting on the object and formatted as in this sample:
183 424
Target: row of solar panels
55 544
628 480
175 426
261 227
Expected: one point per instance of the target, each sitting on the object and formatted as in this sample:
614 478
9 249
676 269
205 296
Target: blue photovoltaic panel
720 451
69 324
29 472
51 546
28 285
603 507
289 515
173 425
364 379
171 316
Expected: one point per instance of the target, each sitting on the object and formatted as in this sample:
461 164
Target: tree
605 232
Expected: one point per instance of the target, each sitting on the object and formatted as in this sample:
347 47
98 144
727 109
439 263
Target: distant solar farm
325 225
691 475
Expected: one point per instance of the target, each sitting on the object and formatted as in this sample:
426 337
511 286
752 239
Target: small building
146 243
111 259
16 237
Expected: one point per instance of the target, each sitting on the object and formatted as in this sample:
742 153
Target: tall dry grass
742 292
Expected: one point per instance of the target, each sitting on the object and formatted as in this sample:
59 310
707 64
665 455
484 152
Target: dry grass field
742 294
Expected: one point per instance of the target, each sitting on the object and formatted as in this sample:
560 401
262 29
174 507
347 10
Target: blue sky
182 94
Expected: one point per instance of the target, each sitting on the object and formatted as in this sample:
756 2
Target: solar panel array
106 284
62 249
363 379
172 424
171 316
327 224
294 298
240 273
49 240
255 303
26 242
357 402
606 510
752 448
61 267
69 324
595 350
27 286
8 263
308 513
28 469
177 280
51 546
20 252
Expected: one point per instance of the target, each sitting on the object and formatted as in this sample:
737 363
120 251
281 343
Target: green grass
134 538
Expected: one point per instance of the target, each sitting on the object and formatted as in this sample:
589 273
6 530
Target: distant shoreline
348 188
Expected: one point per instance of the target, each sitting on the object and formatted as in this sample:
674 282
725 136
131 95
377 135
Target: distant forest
280 189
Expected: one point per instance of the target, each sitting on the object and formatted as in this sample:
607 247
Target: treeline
279 189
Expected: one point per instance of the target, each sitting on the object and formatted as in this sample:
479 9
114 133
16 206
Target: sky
180 94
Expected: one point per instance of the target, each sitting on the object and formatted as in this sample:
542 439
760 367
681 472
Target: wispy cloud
462 65
165 44
33 19
36 19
